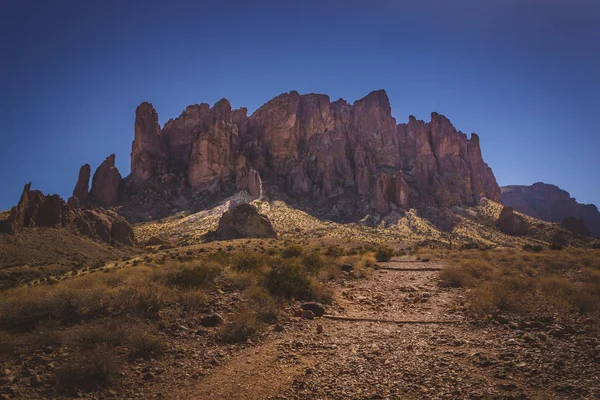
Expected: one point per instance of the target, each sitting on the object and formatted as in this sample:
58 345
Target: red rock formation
243 221
550 203
149 153
511 223
311 147
105 183
36 209
83 182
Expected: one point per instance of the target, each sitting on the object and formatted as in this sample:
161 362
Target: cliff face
312 148
550 203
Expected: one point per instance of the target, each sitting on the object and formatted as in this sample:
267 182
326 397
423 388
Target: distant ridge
550 203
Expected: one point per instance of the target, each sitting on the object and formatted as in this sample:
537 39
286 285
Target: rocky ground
394 335
363 359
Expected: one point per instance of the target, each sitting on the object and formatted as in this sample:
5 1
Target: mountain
348 160
550 203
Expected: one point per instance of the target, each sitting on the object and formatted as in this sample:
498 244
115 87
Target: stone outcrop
352 158
575 225
81 189
550 203
38 210
105 183
243 221
511 223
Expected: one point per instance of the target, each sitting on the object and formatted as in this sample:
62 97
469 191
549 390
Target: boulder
511 223
243 221
317 308
121 232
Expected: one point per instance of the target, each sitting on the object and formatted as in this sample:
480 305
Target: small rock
307 314
317 309
211 320
347 268
425 260
36 380
319 328
148 376
503 319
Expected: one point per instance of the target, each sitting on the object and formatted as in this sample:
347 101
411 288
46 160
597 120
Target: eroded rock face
105 183
550 203
243 221
511 223
575 225
36 209
309 147
81 189
149 154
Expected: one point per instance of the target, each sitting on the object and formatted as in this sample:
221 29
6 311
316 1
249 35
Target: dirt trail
375 360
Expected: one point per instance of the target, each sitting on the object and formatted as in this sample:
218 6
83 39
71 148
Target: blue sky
523 74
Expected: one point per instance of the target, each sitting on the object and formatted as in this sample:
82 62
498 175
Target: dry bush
265 306
384 254
145 343
200 275
248 261
291 251
287 279
242 327
455 277
313 262
524 283
104 333
320 293
89 370
193 301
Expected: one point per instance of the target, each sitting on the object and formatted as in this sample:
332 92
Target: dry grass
116 312
527 283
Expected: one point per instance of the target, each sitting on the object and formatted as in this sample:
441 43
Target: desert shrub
197 276
294 250
384 254
140 300
102 333
264 305
287 279
236 280
146 344
313 262
320 293
248 261
455 277
334 251
193 301
241 328
536 248
89 370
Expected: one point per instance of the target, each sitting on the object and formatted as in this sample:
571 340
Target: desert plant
197 276
384 254
287 279
90 370
293 250
243 327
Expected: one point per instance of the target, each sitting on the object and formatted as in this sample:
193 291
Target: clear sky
523 74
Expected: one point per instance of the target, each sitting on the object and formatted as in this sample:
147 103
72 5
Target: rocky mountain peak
350 159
